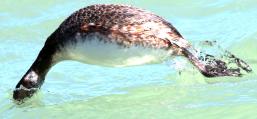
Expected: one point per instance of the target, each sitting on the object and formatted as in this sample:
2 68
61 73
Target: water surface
159 91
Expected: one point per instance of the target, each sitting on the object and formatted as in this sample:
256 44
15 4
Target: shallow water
159 91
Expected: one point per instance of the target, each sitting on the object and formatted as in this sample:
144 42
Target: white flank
93 51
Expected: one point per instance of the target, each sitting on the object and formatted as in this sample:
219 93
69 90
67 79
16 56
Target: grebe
117 36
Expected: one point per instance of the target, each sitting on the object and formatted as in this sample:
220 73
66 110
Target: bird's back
123 24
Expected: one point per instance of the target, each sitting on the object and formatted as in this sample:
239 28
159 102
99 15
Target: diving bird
116 36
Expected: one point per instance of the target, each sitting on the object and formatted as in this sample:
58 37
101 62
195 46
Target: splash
220 62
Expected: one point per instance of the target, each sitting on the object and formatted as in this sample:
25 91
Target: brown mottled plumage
115 35
125 25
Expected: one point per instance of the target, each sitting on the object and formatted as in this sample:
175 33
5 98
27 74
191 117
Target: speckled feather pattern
124 25
130 36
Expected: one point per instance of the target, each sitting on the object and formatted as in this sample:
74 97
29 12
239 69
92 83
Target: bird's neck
35 76
43 63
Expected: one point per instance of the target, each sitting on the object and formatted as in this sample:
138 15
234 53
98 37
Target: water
75 90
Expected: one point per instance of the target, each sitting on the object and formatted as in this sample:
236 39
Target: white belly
98 52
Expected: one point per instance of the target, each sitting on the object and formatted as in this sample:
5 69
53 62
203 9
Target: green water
75 90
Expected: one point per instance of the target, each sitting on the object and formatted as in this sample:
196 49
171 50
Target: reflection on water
157 91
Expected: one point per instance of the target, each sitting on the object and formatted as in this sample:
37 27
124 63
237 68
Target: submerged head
21 93
27 86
